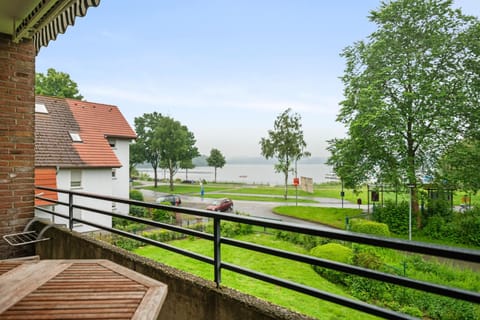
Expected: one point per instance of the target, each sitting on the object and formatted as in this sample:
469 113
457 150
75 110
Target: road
258 209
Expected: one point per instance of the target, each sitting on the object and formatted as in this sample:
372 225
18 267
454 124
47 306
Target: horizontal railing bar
151 241
152 223
470 255
354 304
398 244
359 271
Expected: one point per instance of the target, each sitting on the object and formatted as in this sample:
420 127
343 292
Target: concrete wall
17 145
189 297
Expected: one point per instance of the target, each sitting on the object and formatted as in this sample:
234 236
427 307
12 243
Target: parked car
173 199
223 205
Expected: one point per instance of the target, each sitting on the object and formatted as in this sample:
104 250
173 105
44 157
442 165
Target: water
247 173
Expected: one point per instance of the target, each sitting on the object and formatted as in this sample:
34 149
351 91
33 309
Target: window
75 178
75 137
112 142
40 108
114 173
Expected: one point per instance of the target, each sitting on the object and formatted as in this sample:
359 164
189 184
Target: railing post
216 250
70 211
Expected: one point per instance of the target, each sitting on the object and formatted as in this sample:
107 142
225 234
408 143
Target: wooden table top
77 289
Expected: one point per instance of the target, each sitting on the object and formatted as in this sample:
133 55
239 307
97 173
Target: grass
334 217
286 269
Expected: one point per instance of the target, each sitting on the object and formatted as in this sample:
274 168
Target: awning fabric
58 23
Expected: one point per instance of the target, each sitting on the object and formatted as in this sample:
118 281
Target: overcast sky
225 69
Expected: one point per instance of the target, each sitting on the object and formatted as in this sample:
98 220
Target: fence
217 240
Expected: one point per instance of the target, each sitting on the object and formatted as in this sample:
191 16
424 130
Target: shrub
231 229
369 227
136 195
335 252
395 216
306 241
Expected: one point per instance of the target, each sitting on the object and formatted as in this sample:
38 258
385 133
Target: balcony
190 297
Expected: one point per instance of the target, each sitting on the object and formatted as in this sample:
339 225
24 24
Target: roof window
40 108
75 137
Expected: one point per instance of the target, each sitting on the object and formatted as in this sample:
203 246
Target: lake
248 173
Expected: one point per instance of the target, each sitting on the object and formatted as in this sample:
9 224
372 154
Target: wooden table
77 289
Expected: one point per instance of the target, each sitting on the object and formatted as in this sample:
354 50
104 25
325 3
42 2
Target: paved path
259 209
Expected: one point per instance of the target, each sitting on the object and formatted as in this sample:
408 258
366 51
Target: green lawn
334 217
286 269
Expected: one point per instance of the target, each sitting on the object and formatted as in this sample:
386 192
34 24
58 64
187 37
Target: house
82 146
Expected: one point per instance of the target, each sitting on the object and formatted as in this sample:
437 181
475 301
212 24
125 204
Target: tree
187 164
177 145
56 84
411 91
285 143
148 144
459 166
216 160
164 143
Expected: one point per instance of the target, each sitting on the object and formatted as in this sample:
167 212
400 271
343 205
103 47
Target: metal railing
219 265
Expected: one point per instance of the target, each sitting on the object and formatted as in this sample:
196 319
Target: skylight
75 137
40 108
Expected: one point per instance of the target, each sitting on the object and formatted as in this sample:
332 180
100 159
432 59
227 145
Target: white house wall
121 183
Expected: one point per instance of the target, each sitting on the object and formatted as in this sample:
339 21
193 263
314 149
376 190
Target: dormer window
75 137
112 142
40 108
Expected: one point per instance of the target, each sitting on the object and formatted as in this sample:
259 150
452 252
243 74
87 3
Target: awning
49 18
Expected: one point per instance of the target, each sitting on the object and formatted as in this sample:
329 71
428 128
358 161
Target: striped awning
49 18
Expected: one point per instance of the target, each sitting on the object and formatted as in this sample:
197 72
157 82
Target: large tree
411 91
148 144
56 84
285 143
216 160
177 145
164 143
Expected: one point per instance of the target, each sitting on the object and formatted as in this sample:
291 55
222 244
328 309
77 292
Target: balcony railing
217 240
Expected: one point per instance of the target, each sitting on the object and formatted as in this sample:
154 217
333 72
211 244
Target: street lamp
410 186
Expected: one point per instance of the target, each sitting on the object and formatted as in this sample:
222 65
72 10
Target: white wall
96 181
121 184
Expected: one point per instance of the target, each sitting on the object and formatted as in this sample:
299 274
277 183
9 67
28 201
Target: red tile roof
94 122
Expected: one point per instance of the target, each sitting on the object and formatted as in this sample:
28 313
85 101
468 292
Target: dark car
223 205
173 199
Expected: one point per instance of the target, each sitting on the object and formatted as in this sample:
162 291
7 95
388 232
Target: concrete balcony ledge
189 297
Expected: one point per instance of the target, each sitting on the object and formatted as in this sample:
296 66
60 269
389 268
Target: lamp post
410 186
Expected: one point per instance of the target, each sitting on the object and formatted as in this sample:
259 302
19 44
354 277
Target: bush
306 241
395 216
369 227
335 252
231 229
136 195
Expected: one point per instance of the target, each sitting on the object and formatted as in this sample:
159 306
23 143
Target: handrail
404 245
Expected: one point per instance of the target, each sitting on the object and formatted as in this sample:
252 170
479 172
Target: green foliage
393 215
463 228
369 227
231 229
285 143
411 91
56 84
164 142
136 195
161 215
304 240
335 252
216 160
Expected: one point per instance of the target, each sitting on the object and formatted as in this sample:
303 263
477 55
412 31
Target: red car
222 205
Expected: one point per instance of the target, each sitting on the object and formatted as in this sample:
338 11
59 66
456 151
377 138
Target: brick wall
17 145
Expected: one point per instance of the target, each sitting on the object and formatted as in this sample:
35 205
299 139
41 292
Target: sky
224 68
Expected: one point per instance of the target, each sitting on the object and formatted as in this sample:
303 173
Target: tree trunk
215 174
155 176
171 172
286 185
